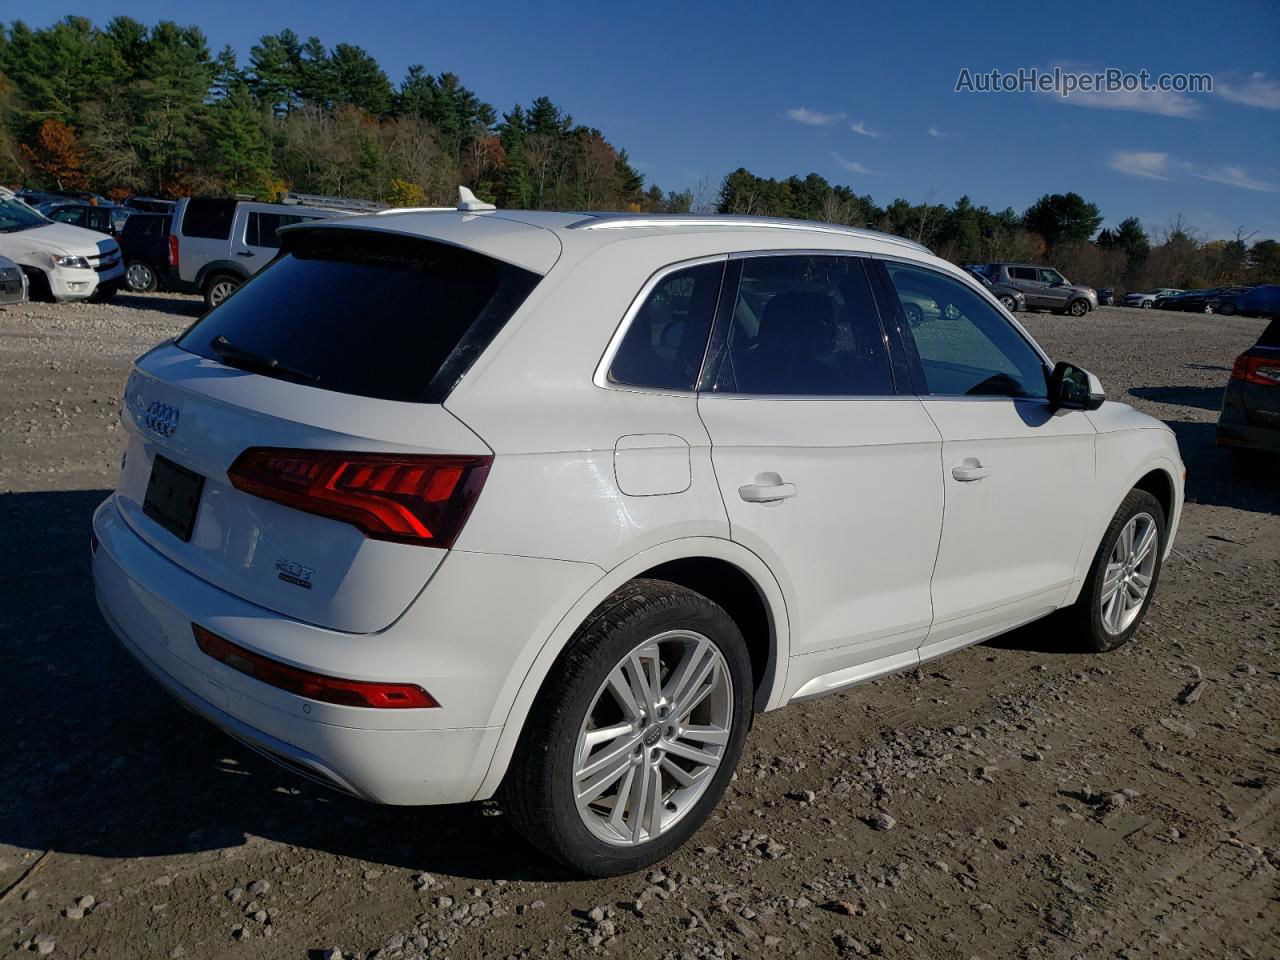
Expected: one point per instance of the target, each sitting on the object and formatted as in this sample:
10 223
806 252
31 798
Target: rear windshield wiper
256 362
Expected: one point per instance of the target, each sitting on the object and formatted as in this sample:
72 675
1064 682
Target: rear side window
367 313
665 343
805 326
1022 273
208 217
260 228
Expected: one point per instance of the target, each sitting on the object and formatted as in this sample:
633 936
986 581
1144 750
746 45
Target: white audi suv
442 506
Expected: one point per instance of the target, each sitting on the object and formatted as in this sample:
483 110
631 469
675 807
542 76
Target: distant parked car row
59 260
1257 301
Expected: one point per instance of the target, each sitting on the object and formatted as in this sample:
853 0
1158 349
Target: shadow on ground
1202 398
96 759
170 304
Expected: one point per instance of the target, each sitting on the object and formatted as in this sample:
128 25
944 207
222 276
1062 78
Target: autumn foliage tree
57 154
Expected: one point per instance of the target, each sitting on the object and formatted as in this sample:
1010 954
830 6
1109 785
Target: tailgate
201 415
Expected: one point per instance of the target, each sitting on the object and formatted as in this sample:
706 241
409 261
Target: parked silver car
1044 288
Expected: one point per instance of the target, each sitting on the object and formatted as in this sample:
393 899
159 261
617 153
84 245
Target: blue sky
862 94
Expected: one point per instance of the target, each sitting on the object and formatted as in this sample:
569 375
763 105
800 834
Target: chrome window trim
601 376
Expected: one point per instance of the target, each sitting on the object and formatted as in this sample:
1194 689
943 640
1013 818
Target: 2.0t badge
295 573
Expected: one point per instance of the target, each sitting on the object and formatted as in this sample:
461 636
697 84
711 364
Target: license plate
173 493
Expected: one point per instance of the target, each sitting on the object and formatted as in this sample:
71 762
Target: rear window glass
664 345
1270 336
208 217
260 229
365 313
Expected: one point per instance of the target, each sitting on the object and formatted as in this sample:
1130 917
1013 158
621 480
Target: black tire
215 288
1078 308
1227 309
38 289
537 791
1147 304
1084 618
105 292
140 277
1010 304
915 316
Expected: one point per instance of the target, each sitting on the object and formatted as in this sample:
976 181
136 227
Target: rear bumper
384 756
1245 437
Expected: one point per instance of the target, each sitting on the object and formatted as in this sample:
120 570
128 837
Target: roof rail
343 204
635 222
390 210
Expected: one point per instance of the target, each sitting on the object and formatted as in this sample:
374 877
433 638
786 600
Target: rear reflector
314 686
423 500
1264 371
173 250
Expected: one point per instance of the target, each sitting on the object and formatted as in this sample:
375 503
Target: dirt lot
1042 803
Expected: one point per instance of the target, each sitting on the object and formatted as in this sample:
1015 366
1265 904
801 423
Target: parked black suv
144 241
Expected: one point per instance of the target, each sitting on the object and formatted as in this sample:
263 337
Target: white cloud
1237 177
1164 102
1154 165
1141 163
853 166
935 132
861 128
813 118
1257 91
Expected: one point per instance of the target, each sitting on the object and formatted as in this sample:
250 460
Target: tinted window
664 345
1052 276
73 215
208 217
260 228
146 226
368 314
965 346
805 326
1022 273
1270 336
99 219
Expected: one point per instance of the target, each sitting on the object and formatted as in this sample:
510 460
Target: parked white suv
447 505
61 261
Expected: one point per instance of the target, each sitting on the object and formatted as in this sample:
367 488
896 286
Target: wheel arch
1158 474
726 572
214 267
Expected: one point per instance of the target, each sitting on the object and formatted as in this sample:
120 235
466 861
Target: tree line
1061 229
129 108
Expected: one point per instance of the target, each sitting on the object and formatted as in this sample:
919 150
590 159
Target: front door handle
969 471
768 488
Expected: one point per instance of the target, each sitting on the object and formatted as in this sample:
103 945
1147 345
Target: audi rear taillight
313 686
173 250
1264 371
418 499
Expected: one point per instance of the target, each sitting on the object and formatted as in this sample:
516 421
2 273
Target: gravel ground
1013 800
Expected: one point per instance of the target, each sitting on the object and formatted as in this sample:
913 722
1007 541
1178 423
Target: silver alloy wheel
1127 580
1009 303
1079 308
140 276
653 738
220 291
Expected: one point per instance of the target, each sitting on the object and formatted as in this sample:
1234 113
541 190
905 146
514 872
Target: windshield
16 215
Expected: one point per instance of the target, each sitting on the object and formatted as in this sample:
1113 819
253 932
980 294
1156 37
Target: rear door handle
244 253
969 471
768 488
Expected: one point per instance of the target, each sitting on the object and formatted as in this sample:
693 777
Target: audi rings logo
161 419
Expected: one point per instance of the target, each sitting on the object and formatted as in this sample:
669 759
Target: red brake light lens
173 250
313 686
1264 371
422 500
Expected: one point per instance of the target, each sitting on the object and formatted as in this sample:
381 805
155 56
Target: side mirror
1074 388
